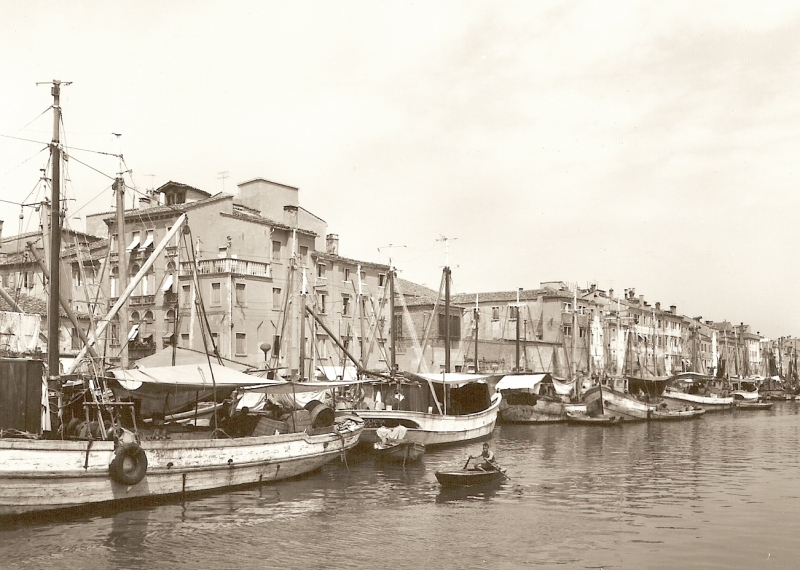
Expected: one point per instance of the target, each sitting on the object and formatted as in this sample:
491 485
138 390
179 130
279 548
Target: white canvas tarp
520 381
19 332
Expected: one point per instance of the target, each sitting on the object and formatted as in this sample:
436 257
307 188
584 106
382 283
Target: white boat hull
37 475
708 403
434 429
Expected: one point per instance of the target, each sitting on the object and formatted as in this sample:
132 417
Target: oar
467 463
496 466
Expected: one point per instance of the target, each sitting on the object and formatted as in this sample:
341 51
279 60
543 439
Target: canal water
722 491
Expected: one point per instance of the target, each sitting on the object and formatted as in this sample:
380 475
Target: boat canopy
450 378
334 373
184 356
522 381
189 376
563 388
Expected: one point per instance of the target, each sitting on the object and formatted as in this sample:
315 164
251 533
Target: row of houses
245 267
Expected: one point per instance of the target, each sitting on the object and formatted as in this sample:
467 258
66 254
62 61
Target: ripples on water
718 492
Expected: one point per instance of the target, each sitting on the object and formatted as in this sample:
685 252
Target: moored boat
435 409
697 391
585 419
530 398
753 405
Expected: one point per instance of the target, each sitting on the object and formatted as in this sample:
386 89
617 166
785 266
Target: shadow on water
476 492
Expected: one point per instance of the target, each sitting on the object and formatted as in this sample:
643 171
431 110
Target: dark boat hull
399 452
468 477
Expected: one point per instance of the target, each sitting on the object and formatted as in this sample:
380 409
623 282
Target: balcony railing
142 300
229 265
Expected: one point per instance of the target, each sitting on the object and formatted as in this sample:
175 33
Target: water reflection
717 491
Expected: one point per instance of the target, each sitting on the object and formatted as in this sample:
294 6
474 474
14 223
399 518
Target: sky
628 144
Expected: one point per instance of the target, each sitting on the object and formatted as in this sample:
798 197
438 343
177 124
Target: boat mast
477 313
55 238
392 324
446 306
574 347
122 263
516 362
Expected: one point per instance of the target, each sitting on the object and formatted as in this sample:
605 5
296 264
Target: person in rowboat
488 459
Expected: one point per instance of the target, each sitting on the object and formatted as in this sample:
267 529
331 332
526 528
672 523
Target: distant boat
530 398
752 405
585 419
697 390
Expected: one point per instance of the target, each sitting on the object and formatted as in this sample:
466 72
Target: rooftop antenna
446 241
222 176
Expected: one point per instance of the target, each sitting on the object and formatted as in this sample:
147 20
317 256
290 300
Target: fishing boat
531 398
435 409
96 452
697 390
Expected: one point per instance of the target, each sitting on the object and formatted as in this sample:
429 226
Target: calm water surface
719 492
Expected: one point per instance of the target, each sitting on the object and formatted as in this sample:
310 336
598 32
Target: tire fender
129 465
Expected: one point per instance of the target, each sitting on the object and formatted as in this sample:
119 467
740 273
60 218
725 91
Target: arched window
135 318
170 316
148 317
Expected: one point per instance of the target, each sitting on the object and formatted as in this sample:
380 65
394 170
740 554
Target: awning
133 333
134 243
147 242
189 376
452 378
167 283
334 373
521 381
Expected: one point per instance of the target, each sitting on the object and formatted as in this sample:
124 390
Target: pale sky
632 144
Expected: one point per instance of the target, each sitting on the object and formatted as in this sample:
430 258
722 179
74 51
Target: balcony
139 300
228 265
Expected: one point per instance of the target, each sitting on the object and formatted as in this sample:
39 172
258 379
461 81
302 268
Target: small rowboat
585 419
470 477
748 405
398 451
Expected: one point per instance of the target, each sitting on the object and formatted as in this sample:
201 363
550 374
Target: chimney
673 309
611 293
332 244
641 299
658 306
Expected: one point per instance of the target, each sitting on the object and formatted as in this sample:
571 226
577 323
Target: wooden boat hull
37 475
617 404
661 415
432 429
543 412
748 405
468 477
399 451
583 419
708 403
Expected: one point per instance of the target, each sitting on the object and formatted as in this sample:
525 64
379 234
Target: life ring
129 464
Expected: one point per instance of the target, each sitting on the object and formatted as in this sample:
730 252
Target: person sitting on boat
488 459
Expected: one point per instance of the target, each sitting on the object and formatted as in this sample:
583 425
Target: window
216 294
134 242
27 280
513 312
114 281
455 327
76 340
567 330
345 305
567 307
346 274
170 317
113 243
495 313
76 276
148 317
321 270
187 295
321 298
303 250
276 299
276 251
114 334
185 339
381 279
241 344
241 294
